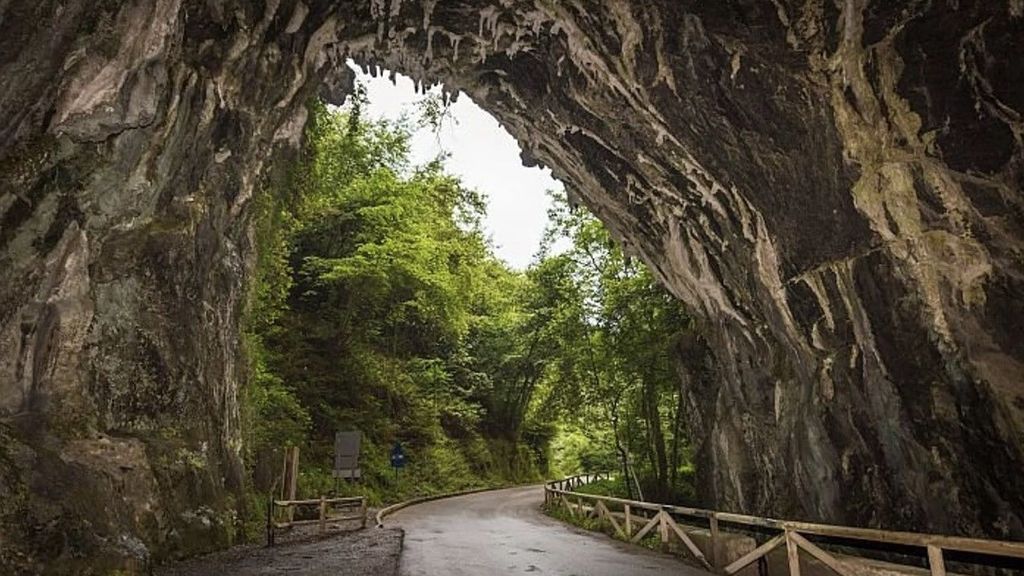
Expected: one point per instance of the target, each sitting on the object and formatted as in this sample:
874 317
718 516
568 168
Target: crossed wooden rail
792 535
324 514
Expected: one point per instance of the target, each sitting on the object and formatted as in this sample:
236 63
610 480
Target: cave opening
371 273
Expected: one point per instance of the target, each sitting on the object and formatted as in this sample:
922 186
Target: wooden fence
567 484
328 510
638 519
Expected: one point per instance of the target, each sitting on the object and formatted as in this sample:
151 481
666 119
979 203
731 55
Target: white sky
485 157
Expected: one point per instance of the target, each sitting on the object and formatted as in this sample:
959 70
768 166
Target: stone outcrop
834 187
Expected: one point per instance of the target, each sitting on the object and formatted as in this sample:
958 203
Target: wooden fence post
715 560
935 561
290 480
284 473
629 523
663 529
270 521
323 515
792 555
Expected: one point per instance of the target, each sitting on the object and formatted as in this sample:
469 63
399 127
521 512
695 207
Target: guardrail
792 534
328 510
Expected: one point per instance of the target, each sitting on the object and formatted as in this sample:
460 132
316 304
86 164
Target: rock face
835 187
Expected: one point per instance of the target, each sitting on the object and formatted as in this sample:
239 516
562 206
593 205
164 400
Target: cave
834 187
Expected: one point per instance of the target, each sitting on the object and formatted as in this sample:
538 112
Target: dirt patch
369 552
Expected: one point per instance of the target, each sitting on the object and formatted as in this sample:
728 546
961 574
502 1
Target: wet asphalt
504 532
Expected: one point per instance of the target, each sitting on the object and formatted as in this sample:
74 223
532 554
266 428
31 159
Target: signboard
346 454
397 456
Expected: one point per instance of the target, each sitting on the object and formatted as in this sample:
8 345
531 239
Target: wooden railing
328 510
792 534
567 484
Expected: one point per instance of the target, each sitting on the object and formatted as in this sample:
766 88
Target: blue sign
397 456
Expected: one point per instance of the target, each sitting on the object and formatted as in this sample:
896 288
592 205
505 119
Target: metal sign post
397 458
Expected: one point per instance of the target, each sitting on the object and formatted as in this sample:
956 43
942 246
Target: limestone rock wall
133 136
833 186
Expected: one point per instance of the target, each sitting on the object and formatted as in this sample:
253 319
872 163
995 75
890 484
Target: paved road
504 532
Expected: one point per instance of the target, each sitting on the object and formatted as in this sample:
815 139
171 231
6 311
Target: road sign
346 454
397 456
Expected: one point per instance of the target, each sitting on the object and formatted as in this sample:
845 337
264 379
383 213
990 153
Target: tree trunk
657 437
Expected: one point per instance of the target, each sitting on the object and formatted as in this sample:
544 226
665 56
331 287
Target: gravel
368 552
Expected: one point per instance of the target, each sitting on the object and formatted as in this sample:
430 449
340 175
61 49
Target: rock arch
835 187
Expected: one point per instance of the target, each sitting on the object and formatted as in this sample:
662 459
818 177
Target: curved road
504 532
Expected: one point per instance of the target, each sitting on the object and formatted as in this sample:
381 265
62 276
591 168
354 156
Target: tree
392 315
379 306
615 330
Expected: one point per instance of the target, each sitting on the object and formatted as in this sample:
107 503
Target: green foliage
613 487
435 110
377 305
613 334
590 449
283 421
272 413
585 522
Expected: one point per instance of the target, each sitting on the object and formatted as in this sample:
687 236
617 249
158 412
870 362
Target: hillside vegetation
378 305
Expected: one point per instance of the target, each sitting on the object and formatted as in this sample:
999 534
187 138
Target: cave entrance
735 144
526 330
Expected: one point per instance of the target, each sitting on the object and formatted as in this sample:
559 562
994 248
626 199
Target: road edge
389 510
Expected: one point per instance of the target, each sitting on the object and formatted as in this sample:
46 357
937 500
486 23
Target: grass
559 512
612 487
443 467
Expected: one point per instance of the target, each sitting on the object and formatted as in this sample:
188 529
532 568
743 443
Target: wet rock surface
833 187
